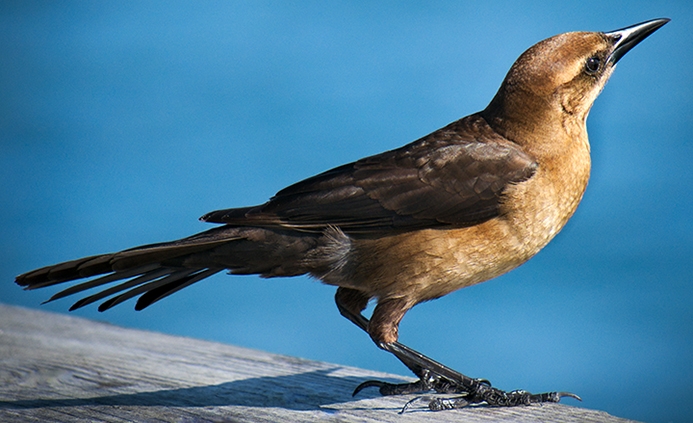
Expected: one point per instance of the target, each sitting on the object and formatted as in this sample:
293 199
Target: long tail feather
115 289
156 271
162 292
159 267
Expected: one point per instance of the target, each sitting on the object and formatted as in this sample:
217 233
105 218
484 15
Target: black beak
627 38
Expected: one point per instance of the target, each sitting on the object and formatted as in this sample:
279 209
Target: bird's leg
350 304
422 366
434 376
349 300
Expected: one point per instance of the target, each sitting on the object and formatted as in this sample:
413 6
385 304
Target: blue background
123 122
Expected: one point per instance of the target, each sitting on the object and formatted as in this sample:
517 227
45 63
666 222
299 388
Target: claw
368 384
386 388
409 403
550 397
568 394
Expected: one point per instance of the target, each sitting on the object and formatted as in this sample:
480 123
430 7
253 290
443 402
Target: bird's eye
592 65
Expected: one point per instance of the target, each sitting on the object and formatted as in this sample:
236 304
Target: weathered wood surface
62 368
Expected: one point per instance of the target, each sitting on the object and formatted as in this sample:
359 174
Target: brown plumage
459 206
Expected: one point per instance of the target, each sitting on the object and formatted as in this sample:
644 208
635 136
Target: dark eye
592 65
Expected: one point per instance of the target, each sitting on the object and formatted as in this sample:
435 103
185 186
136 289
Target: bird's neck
558 142
543 127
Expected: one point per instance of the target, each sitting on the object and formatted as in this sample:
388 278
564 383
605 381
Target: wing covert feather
454 176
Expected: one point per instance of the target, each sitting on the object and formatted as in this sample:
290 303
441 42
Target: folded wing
448 178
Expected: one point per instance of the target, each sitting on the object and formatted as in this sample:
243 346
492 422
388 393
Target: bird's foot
428 381
492 397
434 376
478 392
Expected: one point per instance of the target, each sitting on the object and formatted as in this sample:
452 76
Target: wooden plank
61 368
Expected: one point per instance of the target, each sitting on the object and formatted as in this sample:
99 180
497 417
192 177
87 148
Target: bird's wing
453 177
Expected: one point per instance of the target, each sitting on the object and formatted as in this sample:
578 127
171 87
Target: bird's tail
156 271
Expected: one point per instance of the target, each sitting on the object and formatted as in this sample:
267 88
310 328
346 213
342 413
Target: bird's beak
627 38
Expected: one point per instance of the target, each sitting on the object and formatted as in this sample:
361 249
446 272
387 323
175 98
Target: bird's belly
431 263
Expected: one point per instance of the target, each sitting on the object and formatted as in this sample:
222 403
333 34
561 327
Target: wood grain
55 367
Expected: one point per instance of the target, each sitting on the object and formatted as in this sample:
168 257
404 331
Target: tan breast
431 263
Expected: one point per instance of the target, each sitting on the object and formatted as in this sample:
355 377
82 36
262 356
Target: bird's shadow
301 391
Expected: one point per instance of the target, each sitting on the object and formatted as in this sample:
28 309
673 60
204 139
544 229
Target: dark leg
434 376
350 304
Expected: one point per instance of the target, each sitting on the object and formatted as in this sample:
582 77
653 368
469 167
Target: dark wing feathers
454 176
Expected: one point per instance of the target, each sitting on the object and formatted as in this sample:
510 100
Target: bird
462 205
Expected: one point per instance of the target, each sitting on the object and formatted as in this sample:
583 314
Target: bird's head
560 77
